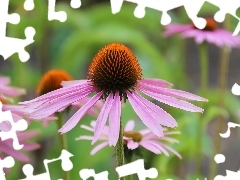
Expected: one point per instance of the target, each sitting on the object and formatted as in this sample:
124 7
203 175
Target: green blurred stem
120 148
223 74
220 120
63 140
204 89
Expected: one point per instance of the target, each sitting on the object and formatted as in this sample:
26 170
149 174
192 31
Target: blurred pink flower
211 34
6 91
133 139
6 148
115 75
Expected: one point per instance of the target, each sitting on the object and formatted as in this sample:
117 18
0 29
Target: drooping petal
129 126
170 92
144 114
14 153
150 147
171 101
57 93
155 82
53 107
171 149
160 116
72 122
157 145
99 147
102 118
114 120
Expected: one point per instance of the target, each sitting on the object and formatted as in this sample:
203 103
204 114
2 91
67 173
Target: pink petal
15 154
155 82
114 120
85 138
172 150
171 92
160 116
129 126
12 91
72 122
171 101
150 147
102 118
4 80
57 104
144 132
132 145
30 146
53 95
99 147
22 136
87 128
171 140
74 83
157 145
172 29
144 114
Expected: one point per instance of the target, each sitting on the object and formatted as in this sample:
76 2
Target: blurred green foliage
73 44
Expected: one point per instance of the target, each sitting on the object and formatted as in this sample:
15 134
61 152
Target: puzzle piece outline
66 164
20 125
192 8
7 162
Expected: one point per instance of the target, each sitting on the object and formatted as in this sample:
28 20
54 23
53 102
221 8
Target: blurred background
73 44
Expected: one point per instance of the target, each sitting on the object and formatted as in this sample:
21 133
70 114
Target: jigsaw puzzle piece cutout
66 164
7 162
28 172
87 173
29 5
164 6
53 15
226 7
137 167
75 4
20 125
192 8
7 49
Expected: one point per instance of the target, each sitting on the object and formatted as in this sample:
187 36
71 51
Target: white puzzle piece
20 125
7 162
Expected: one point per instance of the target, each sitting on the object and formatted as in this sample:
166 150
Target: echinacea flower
6 91
211 33
133 139
115 76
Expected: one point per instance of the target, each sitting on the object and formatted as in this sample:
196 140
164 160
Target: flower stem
120 148
223 74
222 89
62 139
204 89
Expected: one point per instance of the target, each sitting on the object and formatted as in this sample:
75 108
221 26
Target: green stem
119 148
223 73
63 140
222 89
204 89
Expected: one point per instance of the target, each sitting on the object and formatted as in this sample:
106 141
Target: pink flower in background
211 34
6 148
7 91
115 76
133 139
